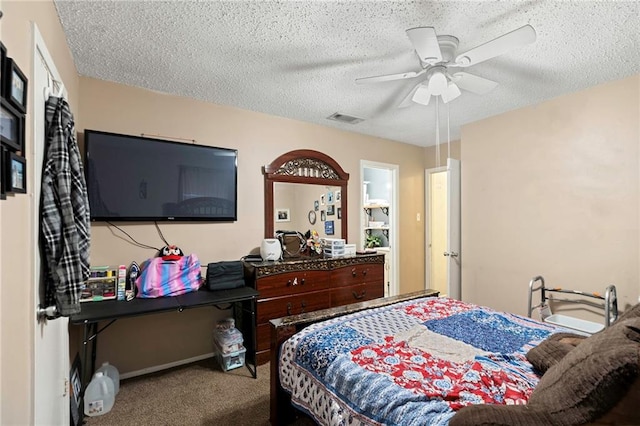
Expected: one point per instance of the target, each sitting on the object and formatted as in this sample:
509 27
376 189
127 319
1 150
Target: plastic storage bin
231 360
99 396
111 372
229 340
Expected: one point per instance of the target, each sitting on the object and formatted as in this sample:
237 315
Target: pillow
551 350
632 312
596 382
592 378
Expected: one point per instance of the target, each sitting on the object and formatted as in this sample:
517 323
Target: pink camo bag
161 277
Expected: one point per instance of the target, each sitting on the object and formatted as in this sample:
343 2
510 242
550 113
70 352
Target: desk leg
252 327
249 307
94 348
85 348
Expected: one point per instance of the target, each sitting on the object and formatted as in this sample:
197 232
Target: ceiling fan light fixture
422 95
451 93
437 83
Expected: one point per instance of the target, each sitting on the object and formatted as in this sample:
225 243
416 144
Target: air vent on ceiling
343 118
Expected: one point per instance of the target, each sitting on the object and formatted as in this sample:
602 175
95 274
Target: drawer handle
294 282
289 308
361 295
353 272
302 281
364 272
303 305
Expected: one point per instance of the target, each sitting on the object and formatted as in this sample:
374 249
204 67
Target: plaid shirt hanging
64 211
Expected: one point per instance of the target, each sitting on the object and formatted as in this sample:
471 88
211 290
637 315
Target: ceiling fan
439 60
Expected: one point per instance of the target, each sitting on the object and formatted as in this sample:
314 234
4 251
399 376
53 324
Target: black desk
112 310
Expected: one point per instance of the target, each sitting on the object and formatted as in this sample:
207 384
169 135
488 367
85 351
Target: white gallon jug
111 372
99 396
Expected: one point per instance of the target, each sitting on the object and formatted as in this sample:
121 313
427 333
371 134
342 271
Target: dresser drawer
291 283
283 306
357 274
356 293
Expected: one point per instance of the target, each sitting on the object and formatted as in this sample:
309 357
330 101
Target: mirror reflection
307 207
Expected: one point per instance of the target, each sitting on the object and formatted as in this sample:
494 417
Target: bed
411 360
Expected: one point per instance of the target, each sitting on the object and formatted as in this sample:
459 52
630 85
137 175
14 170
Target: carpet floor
194 394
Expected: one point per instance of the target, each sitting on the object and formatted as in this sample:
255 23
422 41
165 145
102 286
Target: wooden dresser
302 285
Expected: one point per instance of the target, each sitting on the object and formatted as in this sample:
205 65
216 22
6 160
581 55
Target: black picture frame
16 173
16 86
11 127
3 180
328 227
3 62
75 391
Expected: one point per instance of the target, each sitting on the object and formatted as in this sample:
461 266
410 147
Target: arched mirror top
306 167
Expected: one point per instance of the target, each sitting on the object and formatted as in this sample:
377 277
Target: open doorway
378 217
442 198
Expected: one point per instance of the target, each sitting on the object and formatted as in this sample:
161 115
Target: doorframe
427 220
394 214
59 325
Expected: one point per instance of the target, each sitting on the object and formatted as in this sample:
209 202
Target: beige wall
17 301
133 344
550 189
553 189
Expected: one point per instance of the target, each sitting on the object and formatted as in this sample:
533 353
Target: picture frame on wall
16 84
331 210
3 61
283 215
328 227
3 180
11 127
16 173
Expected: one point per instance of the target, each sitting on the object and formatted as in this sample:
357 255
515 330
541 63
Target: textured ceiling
300 59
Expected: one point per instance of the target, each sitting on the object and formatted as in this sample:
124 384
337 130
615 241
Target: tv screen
133 178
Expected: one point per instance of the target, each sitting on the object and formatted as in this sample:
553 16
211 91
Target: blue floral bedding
413 363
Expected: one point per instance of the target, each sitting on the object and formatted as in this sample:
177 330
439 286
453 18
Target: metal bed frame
608 302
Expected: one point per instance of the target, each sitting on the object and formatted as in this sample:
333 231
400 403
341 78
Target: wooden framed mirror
317 183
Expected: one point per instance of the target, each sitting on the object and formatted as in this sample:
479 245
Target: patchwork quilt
413 363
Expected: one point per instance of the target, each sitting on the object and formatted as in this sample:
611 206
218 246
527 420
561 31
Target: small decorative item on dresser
16 173
11 127
15 86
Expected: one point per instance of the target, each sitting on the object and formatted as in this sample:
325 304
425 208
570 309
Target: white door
442 187
51 358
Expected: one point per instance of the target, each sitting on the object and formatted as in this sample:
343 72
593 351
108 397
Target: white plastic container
99 396
111 372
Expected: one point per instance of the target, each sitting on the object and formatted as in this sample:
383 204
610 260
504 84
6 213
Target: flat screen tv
134 178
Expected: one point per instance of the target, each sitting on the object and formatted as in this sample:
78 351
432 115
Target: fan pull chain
448 132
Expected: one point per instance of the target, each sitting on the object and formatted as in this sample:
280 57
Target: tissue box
349 249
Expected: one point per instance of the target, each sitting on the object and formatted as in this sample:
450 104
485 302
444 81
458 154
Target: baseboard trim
156 368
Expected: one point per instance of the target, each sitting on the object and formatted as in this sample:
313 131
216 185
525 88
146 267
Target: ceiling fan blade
473 83
498 46
389 77
425 41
